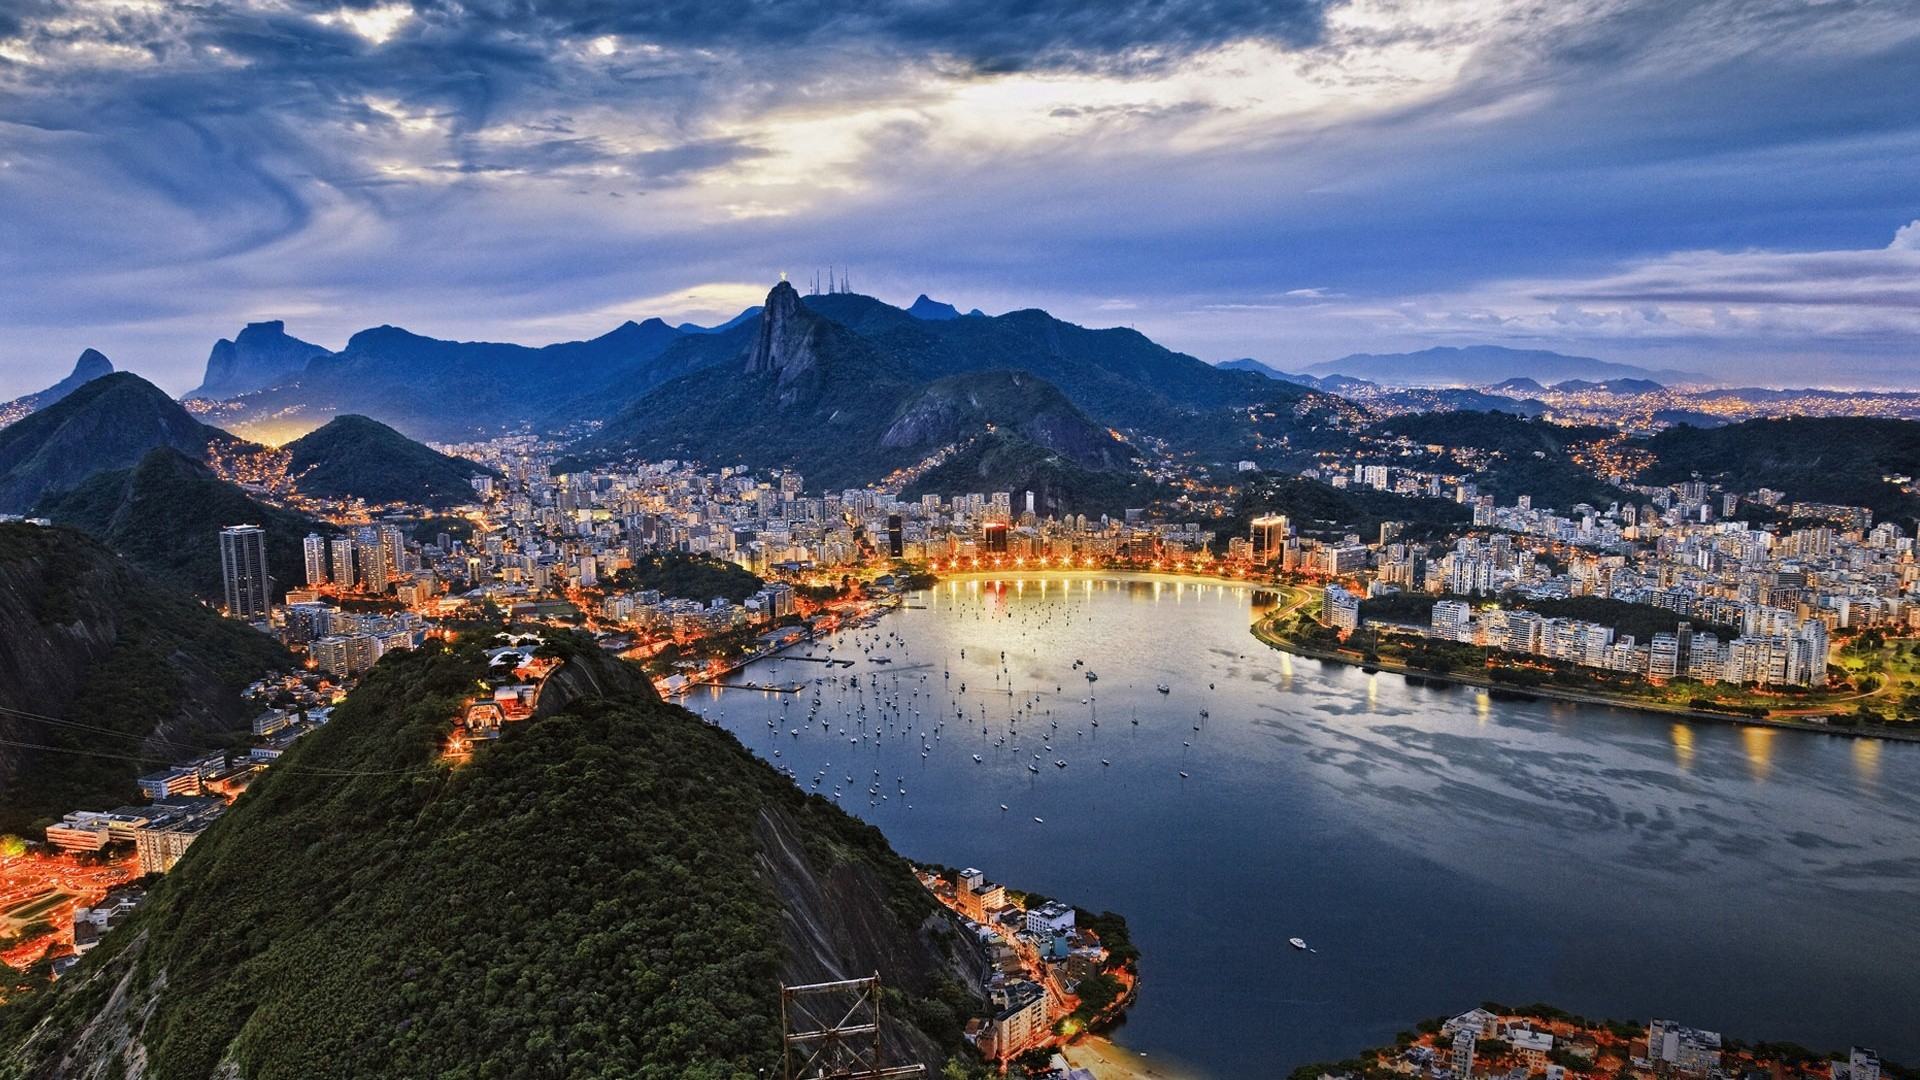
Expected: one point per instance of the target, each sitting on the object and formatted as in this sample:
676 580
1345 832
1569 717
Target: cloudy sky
1727 187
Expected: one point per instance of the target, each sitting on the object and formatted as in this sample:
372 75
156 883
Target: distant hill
1247 363
932 310
1844 460
356 457
1622 387
1453 399
442 390
615 889
108 423
165 514
1421 399
1531 457
1527 387
1485 365
720 328
89 367
132 674
261 355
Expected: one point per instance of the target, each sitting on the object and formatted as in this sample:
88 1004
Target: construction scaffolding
831 1031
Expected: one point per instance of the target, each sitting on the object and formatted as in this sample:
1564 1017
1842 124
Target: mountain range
846 389
1485 365
434 389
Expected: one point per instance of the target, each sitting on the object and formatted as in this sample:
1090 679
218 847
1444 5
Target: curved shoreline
1262 630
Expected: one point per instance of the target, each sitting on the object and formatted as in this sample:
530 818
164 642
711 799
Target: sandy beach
1109 1062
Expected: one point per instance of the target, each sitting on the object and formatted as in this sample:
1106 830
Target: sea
1124 743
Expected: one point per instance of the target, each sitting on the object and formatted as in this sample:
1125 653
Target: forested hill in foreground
616 889
86 639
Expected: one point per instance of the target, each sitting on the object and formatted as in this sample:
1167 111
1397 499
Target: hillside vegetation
354 457
1843 460
86 640
616 889
165 514
108 423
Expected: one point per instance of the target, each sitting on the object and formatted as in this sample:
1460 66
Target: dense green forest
585 897
695 577
165 514
1844 460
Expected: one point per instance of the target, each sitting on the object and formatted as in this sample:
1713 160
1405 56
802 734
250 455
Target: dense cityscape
1320 539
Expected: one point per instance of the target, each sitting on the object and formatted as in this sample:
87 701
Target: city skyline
1726 188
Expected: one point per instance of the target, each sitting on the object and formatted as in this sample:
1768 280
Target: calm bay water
1434 847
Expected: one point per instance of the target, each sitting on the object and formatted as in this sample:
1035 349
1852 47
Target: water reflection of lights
1759 744
1683 747
1866 759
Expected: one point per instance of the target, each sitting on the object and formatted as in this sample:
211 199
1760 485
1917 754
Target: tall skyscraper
315 548
243 568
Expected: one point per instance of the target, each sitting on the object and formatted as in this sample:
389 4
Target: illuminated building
1269 535
243 571
314 547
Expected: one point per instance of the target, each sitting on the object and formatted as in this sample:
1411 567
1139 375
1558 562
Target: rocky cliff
261 355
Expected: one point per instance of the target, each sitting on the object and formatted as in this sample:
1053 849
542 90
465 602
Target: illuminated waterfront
1435 847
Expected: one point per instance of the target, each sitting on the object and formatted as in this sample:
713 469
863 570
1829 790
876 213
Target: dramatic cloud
1293 180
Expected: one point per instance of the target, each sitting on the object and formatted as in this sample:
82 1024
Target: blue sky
1731 188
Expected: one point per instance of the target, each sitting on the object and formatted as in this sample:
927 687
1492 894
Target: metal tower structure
831 1031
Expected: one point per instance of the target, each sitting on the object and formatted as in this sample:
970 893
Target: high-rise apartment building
243 570
315 549
343 562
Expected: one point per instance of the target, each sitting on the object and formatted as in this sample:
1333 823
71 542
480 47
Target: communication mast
831 1031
